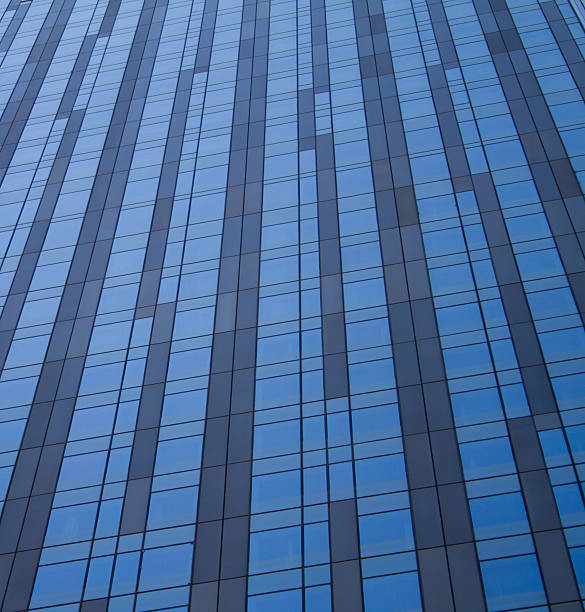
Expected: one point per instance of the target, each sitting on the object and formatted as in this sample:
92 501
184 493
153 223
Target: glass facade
292 299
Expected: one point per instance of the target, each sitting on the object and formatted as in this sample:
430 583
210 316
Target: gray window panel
347 595
331 294
234 206
80 337
215 450
237 491
234 550
526 343
36 426
412 410
574 606
80 264
538 389
387 212
135 506
252 201
406 364
419 461
565 178
545 181
424 319
5 567
307 131
576 211
343 530
450 132
406 206
243 391
247 308
457 526
377 142
156 249
333 334
504 265
465 578
418 280
320 76
484 187
237 167
24 274
412 242
162 328
60 340
109 219
326 185
90 298
533 148
330 260
35 522
231 237
48 469
426 517
391 246
60 420
557 217
557 574
223 352
525 444
144 312
48 381
394 131
442 100
543 422
151 399
95 605
10 315
21 581
156 363
243 90
239 137
225 312
395 280
245 349
245 68
258 92
515 303
211 493
445 456
328 224
12 520
435 580
324 148
335 376
218 403
24 473
578 287
249 269
232 595
382 174
36 237
495 228
370 88
540 503
457 161
143 453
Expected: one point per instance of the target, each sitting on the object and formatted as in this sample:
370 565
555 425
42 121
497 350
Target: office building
291 305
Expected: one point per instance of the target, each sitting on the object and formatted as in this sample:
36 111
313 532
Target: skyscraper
292 298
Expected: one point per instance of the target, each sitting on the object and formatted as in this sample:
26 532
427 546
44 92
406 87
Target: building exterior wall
291 305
